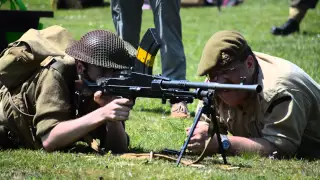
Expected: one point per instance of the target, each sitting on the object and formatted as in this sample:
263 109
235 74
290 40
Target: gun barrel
206 86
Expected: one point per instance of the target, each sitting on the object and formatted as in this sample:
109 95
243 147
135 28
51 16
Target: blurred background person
127 16
297 11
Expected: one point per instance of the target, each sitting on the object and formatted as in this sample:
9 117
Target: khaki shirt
286 112
47 96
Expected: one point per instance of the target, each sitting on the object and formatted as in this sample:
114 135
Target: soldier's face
92 73
232 74
96 72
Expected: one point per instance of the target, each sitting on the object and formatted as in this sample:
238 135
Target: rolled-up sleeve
52 101
285 121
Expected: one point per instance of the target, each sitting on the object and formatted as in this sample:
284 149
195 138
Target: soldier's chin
228 98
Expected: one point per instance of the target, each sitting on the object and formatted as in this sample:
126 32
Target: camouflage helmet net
103 48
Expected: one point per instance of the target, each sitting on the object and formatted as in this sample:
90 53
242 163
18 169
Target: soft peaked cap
221 49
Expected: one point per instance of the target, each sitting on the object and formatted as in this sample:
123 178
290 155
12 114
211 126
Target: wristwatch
225 141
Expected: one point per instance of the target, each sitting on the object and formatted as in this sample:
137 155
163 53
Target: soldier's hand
200 135
102 100
117 109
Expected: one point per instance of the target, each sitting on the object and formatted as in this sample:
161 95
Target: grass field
149 126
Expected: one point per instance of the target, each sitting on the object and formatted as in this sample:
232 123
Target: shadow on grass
92 5
79 148
310 33
208 162
158 110
138 150
85 149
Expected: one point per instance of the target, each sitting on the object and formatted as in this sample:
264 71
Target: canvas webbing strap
150 156
203 154
153 155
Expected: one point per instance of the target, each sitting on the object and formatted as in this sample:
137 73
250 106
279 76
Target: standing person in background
297 11
127 16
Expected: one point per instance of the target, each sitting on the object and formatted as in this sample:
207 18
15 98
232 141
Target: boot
289 27
179 110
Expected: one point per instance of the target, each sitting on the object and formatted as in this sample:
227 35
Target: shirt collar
253 101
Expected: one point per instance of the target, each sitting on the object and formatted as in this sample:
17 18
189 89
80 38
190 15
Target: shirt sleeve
52 101
285 121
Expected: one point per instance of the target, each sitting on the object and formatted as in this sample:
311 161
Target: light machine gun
139 82
132 85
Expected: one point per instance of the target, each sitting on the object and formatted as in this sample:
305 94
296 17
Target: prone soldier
283 118
49 110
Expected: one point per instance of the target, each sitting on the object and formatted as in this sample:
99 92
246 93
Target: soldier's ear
80 67
249 62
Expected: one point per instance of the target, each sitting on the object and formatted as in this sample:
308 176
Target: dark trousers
127 15
305 3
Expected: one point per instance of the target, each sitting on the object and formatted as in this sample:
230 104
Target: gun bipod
208 110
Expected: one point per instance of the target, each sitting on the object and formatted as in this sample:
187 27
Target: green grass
149 126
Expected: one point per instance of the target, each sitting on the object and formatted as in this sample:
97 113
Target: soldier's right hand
117 109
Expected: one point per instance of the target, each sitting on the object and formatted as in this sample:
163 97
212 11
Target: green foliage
149 126
14 4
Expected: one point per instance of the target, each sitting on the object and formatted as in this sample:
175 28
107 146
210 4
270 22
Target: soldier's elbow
47 144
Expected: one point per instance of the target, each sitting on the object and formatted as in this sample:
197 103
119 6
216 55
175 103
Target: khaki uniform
37 81
286 112
36 90
47 96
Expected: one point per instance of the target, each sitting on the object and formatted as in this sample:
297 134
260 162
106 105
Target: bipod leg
217 132
194 125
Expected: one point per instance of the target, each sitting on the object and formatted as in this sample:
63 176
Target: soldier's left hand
199 137
102 100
